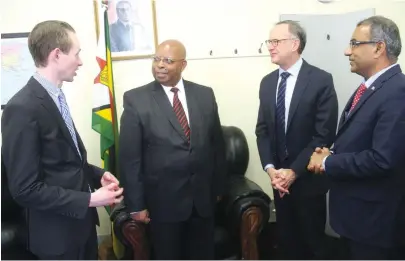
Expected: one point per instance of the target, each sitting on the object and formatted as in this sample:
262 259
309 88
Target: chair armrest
242 194
132 234
246 210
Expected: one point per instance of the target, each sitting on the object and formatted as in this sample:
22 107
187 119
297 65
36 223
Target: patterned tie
179 111
362 89
64 110
280 117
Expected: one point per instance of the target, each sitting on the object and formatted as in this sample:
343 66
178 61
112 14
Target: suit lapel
273 95
163 101
80 143
299 88
193 110
374 87
50 106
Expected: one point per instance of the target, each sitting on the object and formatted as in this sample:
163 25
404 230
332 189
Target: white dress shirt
182 96
290 86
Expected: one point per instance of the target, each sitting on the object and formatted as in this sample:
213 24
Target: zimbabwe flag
104 115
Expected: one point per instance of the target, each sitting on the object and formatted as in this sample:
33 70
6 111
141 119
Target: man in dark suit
172 158
298 112
44 157
367 167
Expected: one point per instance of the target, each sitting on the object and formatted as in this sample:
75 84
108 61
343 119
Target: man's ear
380 48
54 54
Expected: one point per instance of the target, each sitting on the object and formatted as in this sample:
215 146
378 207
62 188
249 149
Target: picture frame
133 28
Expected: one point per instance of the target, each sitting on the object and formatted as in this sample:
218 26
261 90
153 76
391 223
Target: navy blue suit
367 168
312 122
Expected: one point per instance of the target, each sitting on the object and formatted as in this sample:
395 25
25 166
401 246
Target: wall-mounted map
17 65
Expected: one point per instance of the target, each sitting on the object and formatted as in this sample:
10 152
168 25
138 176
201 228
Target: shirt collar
48 86
293 70
179 85
373 78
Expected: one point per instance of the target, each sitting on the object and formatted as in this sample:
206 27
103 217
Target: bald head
169 62
175 47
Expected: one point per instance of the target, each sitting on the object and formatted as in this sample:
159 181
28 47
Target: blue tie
64 110
280 117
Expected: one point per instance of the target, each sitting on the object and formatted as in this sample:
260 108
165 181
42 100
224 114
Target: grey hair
384 29
297 31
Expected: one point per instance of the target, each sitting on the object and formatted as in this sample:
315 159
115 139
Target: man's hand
107 195
316 162
142 216
108 178
286 177
273 175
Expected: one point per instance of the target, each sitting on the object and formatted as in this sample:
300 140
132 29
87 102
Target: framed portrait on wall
132 26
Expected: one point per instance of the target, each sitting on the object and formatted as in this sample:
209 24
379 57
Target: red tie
358 95
179 111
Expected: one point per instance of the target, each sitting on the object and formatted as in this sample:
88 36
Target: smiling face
282 44
169 63
361 51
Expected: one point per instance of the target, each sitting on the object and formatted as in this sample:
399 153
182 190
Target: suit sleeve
218 143
387 148
97 174
325 125
130 157
263 138
21 151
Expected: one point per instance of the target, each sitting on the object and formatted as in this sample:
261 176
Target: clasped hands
109 193
316 162
281 179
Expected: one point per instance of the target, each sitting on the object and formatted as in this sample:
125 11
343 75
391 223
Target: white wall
234 80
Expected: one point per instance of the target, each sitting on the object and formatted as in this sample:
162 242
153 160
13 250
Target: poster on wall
17 65
132 27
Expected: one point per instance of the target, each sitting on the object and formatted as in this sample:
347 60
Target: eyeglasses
355 43
157 59
275 42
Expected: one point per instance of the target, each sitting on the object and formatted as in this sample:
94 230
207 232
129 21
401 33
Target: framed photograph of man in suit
132 27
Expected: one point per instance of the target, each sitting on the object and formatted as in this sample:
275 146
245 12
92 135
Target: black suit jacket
122 38
160 171
312 122
367 169
45 172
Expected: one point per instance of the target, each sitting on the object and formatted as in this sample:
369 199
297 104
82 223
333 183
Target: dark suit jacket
368 167
312 122
160 171
45 172
121 37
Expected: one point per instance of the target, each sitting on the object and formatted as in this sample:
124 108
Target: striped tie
64 110
280 117
180 114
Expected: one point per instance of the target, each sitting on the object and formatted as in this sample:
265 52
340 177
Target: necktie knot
285 75
174 89
360 91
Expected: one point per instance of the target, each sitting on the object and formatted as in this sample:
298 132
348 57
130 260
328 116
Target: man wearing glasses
298 112
172 158
367 167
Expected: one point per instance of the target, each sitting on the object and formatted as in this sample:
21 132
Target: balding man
172 157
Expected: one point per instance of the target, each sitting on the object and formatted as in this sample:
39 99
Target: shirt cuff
323 163
268 166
